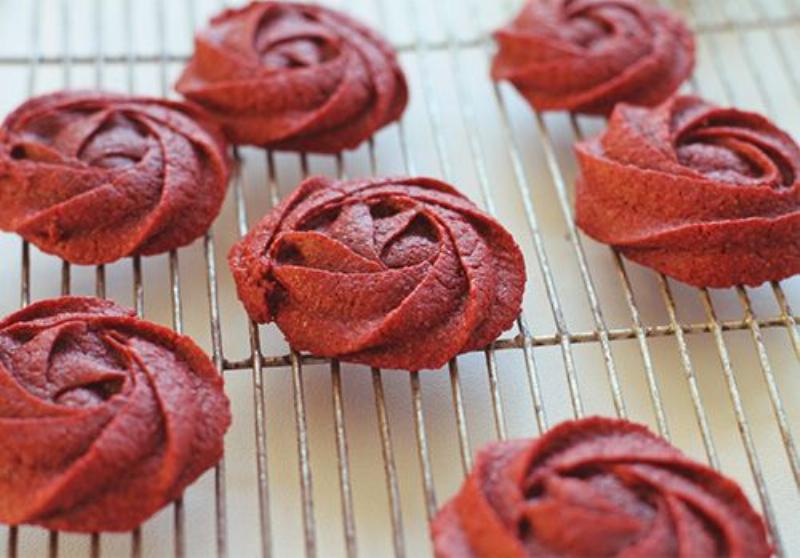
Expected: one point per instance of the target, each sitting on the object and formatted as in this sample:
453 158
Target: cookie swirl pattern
587 55
708 195
295 77
104 418
95 177
596 487
397 273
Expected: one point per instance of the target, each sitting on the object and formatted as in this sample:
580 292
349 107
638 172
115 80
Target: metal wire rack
328 459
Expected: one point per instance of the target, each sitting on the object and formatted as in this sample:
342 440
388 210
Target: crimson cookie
396 273
596 487
295 76
104 418
94 177
587 55
708 195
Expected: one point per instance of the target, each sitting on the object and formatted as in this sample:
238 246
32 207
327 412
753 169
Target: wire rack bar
461 419
209 251
343 461
257 370
525 338
13 541
306 489
422 445
52 544
342 454
494 391
301 420
788 318
390 467
532 376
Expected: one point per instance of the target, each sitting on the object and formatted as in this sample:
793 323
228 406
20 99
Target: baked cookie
596 487
707 195
104 418
94 177
396 273
585 56
295 77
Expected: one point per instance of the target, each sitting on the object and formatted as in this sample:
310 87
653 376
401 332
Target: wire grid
564 327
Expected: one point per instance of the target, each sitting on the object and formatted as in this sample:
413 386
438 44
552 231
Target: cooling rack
330 459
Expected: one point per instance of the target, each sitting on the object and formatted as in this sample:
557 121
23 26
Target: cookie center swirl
730 152
89 393
609 510
588 27
82 368
406 237
394 231
293 39
118 142
100 137
92 377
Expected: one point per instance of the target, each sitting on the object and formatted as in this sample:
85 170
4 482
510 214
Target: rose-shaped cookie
93 177
587 55
707 195
295 76
596 487
396 273
104 418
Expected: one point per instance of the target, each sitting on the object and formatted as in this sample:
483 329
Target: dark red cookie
396 273
596 487
708 195
104 418
587 55
94 177
295 76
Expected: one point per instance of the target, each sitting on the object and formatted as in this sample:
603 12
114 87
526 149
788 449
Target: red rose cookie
104 418
295 76
596 487
94 177
396 273
708 195
587 55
